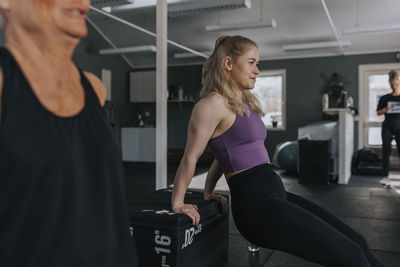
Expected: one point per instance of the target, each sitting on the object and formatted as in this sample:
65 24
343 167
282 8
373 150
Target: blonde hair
393 75
215 78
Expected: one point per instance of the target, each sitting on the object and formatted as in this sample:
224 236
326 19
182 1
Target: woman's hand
383 111
189 210
387 109
221 199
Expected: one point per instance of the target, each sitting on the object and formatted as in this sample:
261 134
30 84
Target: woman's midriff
229 175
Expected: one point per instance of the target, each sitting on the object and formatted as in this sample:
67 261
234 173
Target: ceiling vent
195 8
109 3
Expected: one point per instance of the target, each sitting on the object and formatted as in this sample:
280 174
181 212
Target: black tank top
62 199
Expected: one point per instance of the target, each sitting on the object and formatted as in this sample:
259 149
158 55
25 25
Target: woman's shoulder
213 101
384 97
387 95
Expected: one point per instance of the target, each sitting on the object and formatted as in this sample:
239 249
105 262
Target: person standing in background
389 106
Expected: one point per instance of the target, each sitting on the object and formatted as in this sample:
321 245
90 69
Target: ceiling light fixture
190 55
130 49
193 8
315 45
372 29
240 26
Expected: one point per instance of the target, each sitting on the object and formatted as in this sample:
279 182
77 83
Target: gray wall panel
303 96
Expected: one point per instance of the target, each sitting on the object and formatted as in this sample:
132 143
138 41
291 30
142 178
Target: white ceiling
298 21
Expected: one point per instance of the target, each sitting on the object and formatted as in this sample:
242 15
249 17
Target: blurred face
244 68
60 17
394 84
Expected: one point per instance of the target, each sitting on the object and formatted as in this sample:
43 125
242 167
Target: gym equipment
324 130
314 161
287 156
366 161
166 239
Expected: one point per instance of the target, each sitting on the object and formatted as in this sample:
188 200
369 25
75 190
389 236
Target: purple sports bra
242 145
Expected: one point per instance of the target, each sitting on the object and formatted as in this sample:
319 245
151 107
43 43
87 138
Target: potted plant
334 89
274 121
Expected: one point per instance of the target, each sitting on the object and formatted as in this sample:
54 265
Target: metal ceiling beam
109 41
129 24
333 26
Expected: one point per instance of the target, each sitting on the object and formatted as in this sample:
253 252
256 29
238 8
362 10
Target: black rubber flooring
364 204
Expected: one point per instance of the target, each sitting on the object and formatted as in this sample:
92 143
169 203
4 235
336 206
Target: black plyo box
166 239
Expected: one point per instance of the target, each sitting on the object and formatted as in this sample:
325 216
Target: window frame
277 72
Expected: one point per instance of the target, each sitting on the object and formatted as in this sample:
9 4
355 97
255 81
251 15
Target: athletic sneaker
385 181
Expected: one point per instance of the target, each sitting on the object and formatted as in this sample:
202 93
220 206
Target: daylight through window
270 90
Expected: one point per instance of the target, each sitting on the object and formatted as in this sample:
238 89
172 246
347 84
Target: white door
373 83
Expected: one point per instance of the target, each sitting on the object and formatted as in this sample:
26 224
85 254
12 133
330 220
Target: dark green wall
304 88
189 77
303 93
86 57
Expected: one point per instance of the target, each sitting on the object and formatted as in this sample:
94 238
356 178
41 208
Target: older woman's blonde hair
216 79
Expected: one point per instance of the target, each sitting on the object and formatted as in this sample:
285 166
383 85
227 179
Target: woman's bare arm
213 175
206 116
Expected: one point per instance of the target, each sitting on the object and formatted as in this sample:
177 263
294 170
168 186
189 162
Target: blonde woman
391 124
227 118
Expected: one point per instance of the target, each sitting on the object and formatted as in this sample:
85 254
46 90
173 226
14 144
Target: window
378 86
270 89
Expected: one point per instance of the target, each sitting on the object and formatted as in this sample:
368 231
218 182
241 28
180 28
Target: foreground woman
61 178
228 120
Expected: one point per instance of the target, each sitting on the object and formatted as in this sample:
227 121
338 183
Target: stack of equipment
166 239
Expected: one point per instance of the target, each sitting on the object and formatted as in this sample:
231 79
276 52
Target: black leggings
389 129
268 216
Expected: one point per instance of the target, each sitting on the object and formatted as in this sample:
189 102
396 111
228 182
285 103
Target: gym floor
364 204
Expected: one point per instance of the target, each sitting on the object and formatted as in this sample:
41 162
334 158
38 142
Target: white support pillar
346 145
161 95
345 142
